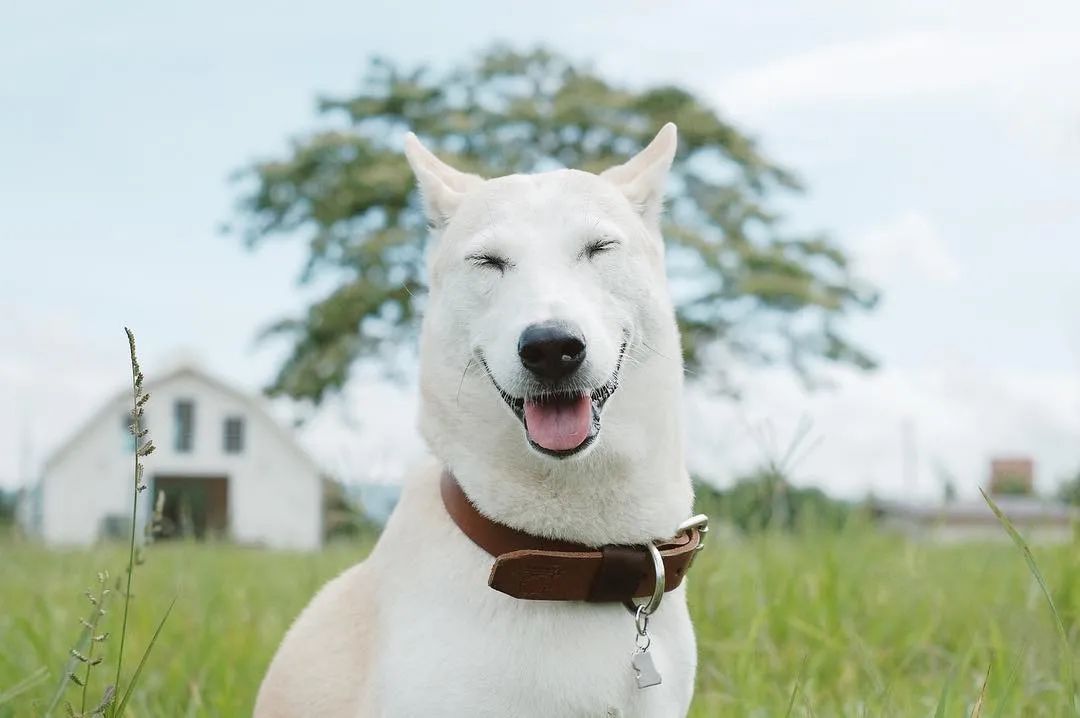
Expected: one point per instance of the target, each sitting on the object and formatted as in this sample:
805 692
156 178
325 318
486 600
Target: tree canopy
743 284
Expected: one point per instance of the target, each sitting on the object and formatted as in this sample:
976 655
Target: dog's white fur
414 630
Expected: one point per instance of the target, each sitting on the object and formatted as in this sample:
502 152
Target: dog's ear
643 177
441 186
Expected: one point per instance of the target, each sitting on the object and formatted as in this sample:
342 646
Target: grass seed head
107 698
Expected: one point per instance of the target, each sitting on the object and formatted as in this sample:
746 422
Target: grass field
847 624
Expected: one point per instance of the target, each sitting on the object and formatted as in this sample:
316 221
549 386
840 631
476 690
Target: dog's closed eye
598 246
490 261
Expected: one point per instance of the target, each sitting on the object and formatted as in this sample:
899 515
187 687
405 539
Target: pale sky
941 146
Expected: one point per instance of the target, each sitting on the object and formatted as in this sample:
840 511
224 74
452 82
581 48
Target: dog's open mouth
561 423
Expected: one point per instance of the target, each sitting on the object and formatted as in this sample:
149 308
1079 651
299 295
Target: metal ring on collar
658 589
699 522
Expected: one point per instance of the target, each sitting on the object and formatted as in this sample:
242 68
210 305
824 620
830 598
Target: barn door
196 507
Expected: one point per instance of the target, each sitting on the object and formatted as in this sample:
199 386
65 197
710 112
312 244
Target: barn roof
256 405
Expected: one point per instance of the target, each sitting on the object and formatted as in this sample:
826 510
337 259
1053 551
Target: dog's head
548 306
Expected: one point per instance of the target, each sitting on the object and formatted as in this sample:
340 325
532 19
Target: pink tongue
559 426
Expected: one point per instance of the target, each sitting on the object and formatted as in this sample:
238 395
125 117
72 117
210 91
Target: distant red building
1012 484
1012 476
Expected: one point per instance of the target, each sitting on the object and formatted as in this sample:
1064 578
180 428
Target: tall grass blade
1034 568
24 685
119 710
136 392
1010 683
795 688
976 710
939 712
63 682
99 604
791 702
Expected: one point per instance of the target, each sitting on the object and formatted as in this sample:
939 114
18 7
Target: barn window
234 435
184 415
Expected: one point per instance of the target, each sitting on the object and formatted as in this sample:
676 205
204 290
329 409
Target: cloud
51 378
926 62
907 246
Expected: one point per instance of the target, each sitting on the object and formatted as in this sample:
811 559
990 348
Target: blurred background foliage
343 517
8 500
1069 490
766 501
743 284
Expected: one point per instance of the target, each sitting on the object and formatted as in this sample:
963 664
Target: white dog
551 386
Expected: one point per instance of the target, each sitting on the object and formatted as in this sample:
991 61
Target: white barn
227 468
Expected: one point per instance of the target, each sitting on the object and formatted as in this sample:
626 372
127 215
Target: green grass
840 625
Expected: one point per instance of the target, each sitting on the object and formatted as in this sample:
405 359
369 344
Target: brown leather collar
536 568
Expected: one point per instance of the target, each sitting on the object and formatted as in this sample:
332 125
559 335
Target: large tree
742 282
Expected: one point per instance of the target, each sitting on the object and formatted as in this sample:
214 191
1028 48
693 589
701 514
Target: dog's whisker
468 365
646 345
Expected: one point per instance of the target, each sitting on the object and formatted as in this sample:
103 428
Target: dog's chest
459 648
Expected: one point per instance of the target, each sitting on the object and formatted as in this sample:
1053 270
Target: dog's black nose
551 350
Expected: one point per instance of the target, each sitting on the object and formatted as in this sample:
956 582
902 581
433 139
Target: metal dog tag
645 670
